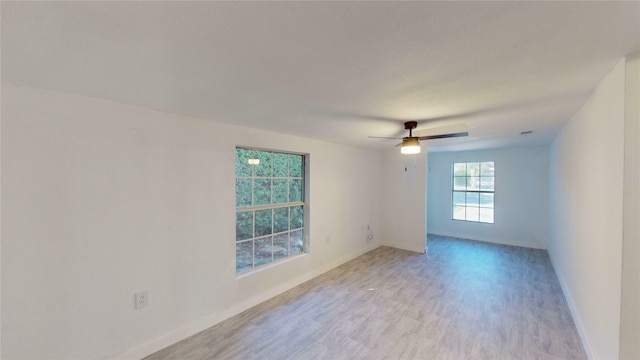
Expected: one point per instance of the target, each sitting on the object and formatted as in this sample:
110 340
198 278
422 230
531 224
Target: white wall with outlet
108 200
521 196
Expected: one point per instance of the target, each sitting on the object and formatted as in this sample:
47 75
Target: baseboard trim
586 344
155 345
491 240
421 250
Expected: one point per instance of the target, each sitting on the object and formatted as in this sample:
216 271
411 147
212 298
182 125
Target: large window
473 191
270 202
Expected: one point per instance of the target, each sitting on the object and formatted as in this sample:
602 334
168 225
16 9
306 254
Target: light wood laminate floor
463 300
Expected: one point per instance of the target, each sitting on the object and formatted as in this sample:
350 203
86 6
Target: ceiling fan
411 144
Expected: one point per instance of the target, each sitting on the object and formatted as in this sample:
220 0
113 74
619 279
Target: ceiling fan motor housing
410 125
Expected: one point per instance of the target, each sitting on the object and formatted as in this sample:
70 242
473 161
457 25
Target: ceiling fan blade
442 129
444 136
383 137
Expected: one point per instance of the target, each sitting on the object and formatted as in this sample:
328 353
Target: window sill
270 265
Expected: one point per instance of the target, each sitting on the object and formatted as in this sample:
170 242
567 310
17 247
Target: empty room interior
320 180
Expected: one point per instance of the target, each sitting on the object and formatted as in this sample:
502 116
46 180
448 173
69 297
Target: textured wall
102 200
586 180
404 200
521 197
630 306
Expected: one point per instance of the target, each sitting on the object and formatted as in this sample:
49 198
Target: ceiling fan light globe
408 150
410 146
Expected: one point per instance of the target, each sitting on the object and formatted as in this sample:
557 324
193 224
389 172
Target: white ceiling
336 71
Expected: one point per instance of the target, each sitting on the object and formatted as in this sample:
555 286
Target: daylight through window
473 191
270 201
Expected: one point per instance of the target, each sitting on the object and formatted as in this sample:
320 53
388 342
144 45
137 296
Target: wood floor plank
463 300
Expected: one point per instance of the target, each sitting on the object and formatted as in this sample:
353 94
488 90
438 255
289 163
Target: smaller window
473 191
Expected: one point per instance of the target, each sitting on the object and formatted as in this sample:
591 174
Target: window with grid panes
474 191
270 202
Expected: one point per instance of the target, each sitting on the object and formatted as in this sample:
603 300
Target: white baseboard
155 345
531 245
419 249
586 344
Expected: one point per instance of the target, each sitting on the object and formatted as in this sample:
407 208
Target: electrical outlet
369 234
142 299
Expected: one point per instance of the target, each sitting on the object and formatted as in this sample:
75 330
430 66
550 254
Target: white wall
586 179
101 200
1 226
404 199
630 302
521 197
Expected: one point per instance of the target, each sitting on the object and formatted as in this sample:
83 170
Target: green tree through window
270 202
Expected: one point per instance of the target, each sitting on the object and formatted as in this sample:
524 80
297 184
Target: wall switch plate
142 299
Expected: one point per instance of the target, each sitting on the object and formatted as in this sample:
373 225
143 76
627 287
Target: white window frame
479 191
300 232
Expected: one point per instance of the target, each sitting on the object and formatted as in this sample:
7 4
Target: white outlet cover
142 299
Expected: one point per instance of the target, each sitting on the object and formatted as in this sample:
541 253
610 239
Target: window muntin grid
270 207
473 191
